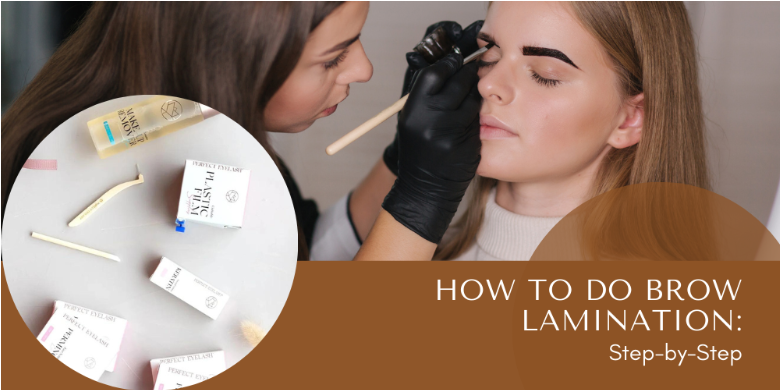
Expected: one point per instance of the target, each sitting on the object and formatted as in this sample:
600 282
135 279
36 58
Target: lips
330 110
492 128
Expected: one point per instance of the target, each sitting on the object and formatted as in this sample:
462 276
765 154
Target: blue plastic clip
180 226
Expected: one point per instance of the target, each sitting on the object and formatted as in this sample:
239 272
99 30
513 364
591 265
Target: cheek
296 104
567 125
310 93
560 134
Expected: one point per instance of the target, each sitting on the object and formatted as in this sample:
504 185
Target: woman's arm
439 138
438 154
342 228
366 201
390 240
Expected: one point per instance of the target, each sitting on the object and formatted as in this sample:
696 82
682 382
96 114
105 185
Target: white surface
254 265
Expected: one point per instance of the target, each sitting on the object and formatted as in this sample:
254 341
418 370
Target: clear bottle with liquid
144 121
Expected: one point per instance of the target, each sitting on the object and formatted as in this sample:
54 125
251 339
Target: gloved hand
438 147
465 40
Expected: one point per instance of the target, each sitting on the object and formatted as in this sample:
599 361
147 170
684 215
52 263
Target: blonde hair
653 52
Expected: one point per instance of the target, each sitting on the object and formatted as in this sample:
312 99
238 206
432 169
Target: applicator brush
105 198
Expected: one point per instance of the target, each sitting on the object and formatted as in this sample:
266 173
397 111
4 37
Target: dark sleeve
306 213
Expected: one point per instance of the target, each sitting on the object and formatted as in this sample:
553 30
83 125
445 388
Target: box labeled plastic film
212 194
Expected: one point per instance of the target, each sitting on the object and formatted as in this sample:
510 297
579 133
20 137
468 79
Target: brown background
379 325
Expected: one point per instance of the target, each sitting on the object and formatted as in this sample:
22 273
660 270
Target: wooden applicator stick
75 246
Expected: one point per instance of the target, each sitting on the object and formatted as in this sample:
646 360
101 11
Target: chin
488 170
302 127
297 128
508 170
497 162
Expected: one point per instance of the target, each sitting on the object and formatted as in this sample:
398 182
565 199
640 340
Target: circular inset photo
149 241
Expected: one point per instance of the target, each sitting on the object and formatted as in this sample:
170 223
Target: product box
110 328
189 288
211 363
76 345
171 377
212 194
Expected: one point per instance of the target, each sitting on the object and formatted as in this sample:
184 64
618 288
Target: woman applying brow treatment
578 99
269 66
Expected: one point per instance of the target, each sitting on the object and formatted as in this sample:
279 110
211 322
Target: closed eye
482 64
539 79
336 61
544 81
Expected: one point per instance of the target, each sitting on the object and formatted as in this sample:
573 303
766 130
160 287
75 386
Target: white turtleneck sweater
507 236
504 235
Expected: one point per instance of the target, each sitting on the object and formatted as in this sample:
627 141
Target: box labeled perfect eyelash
194 291
209 363
110 328
212 194
171 377
74 344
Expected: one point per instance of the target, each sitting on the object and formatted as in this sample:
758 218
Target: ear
629 132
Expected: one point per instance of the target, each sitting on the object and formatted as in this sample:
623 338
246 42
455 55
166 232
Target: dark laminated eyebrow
546 52
487 38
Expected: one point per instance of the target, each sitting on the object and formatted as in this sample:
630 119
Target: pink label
48 332
46 165
164 272
161 387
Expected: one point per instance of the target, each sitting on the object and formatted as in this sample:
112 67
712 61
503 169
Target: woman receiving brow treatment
577 99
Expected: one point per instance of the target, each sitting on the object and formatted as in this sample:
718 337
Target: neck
552 197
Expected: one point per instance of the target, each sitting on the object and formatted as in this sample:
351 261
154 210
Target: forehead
552 25
345 22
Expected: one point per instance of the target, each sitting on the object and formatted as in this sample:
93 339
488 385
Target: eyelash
482 64
543 81
336 61
539 79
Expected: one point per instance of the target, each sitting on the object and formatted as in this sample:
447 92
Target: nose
358 68
495 86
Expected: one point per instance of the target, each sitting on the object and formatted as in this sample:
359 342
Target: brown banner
381 325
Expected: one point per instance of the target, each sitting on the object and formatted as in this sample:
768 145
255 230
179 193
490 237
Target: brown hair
653 52
229 56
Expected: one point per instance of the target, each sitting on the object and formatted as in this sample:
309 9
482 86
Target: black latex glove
438 147
465 40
